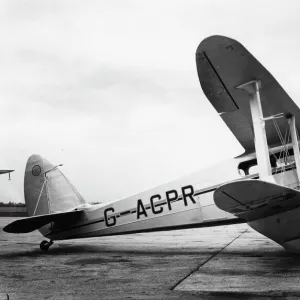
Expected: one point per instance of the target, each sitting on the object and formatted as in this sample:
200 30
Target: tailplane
32 223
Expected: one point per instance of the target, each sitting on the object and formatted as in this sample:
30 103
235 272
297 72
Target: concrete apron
252 264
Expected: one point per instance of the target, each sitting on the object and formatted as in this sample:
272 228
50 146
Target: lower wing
255 199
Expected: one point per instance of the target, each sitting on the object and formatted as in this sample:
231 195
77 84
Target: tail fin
46 188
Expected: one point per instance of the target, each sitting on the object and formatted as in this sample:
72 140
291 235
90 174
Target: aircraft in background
260 187
6 172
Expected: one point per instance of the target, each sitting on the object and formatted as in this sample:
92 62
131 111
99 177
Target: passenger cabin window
253 170
288 161
277 160
245 166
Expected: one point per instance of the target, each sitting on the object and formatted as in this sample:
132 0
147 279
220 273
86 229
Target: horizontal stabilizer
32 223
255 199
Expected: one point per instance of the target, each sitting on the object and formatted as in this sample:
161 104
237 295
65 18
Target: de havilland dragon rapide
259 187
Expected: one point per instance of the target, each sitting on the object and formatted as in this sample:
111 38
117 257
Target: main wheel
44 245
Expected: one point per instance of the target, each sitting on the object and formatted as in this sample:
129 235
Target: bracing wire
284 153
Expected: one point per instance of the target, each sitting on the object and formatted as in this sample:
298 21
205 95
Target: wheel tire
44 245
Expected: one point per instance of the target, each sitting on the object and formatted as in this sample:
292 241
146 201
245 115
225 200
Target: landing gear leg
44 245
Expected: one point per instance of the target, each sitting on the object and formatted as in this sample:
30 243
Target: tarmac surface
227 262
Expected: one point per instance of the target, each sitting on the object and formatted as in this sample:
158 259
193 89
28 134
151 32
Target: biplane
259 187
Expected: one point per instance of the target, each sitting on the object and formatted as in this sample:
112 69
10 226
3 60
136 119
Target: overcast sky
110 88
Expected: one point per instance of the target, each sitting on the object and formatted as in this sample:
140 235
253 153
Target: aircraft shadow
69 249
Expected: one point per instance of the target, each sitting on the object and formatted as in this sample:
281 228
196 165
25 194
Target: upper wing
255 199
32 223
223 64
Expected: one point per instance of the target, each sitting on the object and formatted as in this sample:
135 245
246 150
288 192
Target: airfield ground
228 262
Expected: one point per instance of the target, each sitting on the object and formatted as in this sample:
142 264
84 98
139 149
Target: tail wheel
44 245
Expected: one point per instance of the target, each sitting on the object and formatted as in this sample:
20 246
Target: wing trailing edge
32 223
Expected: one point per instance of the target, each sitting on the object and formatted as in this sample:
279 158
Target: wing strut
260 140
